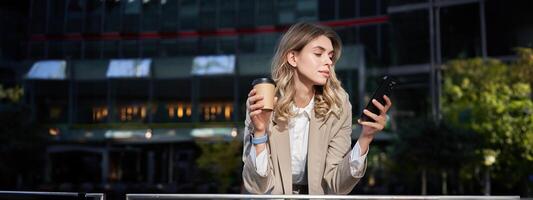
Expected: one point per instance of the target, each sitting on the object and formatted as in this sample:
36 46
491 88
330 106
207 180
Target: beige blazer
328 169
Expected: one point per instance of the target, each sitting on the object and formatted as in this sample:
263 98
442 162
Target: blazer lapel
281 141
314 152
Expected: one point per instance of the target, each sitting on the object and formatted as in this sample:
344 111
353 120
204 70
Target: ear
292 58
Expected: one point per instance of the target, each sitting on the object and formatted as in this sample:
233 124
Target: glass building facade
408 39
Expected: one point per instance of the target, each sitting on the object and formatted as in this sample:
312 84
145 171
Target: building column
105 165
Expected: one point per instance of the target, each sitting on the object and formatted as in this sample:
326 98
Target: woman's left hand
371 128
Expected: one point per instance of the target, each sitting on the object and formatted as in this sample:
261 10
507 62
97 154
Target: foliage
220 161
493 99
423 144
13 94
21 147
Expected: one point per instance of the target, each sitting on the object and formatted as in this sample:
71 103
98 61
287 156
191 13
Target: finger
372 115
388 101
256 106
251 93
373 125
252 100
256 112
379 106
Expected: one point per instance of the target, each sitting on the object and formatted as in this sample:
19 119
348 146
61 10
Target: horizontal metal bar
39 193
100 196
247 196
448 3
400 70
421 6
407 8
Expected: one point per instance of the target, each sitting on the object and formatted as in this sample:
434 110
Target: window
369 39
327 10
208 15
51 100
112 16
110 49
307 10
169 48
130 48
216 98
414 85
266 42
287 12
93 21
151 15
93 49
247 44
55 50
75 16
48 70
385 46
57 16
131 16
460 31
227 45
188 46
150 48
410 38
347 9
508 26
368 8
188 14
130 100
37 50
169 12
72 49
265 13
38 16
348 35
228 13
173 97
246 15
91 101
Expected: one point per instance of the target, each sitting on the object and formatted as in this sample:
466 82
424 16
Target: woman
303 145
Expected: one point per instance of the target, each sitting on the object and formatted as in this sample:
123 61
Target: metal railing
50 195
247 196
101 196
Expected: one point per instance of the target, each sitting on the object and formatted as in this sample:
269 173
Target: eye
318 54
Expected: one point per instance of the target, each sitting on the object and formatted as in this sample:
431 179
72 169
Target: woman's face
314 62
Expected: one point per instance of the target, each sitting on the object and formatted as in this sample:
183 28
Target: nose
328 61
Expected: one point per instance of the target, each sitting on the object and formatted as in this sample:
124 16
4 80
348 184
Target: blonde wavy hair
328 98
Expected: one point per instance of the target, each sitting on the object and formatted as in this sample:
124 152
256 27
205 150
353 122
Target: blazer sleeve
253 182
337 173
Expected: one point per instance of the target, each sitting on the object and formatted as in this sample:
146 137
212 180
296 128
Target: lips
324 72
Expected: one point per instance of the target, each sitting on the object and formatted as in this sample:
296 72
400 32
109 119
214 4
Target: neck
304 92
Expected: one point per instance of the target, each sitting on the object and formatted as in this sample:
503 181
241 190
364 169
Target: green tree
493 99
21 146
425 147
220 162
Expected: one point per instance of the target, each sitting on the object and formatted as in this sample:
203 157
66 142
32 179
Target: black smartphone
385 88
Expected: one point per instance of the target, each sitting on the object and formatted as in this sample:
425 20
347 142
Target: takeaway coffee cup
265 87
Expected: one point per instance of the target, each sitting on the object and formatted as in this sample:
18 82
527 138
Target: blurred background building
122 89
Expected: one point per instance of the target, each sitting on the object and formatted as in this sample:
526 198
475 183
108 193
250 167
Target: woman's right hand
260 118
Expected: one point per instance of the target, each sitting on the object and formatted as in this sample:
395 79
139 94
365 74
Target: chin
321 81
